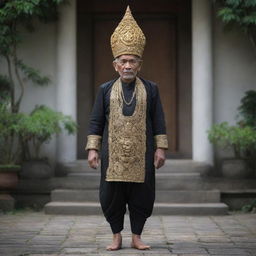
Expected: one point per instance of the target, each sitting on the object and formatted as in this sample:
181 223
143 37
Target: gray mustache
129 72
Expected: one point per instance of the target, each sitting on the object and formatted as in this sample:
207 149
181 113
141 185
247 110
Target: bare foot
138 244
116 243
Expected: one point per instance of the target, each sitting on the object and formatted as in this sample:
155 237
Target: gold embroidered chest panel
127 136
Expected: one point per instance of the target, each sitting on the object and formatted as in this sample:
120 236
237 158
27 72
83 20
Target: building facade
202 71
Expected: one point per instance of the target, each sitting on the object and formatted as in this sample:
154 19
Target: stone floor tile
80 250
43 254
37 233
233 252
192 254
214 239
216 245
80 254
189 251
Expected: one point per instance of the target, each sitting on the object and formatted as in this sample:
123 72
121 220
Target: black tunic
155 125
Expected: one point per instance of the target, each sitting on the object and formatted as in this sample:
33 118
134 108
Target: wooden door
159 62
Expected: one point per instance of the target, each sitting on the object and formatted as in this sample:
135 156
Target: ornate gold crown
128 38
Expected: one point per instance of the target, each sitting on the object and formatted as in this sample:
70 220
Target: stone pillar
66 78
202 79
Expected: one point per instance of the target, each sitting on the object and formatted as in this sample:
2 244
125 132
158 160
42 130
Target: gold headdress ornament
128 38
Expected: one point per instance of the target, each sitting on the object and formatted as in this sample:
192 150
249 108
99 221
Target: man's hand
93 158
159 158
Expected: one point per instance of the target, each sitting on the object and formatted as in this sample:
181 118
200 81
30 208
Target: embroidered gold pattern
127 136
128 38
93 142
161 141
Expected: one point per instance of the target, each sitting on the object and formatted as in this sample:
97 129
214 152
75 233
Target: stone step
165 196
171 166
188 196
90 208
39 186
185 165
164 181
190 209
73 208
158 174
7 202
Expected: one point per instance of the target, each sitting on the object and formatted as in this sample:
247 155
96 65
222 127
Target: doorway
160 64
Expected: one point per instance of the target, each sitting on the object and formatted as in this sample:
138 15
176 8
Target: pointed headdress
128 37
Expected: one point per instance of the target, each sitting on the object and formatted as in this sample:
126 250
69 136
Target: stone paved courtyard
34 233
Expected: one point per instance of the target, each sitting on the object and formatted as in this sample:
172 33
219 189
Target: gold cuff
161 141
93 142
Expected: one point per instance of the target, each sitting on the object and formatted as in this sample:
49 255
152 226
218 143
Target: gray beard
130 75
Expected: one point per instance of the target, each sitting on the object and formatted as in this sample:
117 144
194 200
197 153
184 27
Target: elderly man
127 124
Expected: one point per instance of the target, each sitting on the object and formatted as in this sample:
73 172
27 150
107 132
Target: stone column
66 78
202 79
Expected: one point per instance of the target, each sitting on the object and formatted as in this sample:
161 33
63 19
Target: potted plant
37 129
240 140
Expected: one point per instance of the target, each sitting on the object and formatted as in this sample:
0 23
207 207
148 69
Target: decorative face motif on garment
127 143
127 147
127 152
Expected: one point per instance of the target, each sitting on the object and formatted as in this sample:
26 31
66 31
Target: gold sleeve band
161 141
93 142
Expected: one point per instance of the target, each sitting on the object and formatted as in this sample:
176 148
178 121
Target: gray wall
234 74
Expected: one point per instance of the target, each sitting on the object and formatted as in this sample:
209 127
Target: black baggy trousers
114 196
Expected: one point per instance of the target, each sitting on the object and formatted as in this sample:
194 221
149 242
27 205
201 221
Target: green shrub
240 139
39 127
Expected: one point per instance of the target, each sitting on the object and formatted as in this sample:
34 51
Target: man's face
128 67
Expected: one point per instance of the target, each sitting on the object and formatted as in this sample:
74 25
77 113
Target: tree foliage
14 16
239 13
247 109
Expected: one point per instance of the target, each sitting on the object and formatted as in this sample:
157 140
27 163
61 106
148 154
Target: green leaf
33 74
249 3
250 19
247 109
234 3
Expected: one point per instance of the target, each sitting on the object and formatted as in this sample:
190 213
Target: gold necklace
133 95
